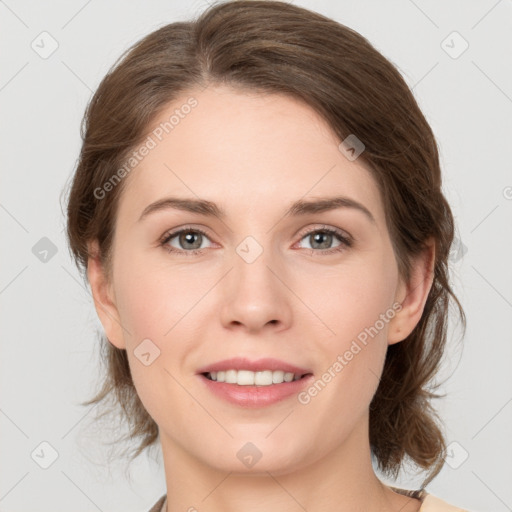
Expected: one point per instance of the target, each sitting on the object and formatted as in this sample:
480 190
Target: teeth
248 378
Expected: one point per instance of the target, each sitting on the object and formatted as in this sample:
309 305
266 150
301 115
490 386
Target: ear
104 299
413 295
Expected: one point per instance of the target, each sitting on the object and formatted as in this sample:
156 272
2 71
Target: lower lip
256 396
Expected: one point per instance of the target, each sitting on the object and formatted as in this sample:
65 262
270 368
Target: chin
257 456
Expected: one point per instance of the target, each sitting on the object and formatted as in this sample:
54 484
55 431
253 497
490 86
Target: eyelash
346 242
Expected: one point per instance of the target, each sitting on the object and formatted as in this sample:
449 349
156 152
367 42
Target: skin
254 155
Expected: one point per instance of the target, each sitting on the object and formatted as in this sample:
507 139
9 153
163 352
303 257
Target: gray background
49 327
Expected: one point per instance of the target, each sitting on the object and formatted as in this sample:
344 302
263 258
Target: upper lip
242 363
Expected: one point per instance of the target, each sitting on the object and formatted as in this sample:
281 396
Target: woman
258 208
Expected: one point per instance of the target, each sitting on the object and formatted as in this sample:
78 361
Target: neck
338 481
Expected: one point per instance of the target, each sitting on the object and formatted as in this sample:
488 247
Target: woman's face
261 282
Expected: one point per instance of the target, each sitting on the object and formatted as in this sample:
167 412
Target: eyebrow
211 209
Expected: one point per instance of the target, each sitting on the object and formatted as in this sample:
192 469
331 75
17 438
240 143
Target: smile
249 378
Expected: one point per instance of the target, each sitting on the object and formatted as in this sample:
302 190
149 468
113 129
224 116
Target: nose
255 295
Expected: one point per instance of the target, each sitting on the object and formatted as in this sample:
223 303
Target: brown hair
275 47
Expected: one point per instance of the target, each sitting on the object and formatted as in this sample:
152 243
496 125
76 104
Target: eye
323 238
190 240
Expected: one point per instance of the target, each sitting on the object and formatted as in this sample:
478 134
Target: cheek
354 299
151 300
355 306
153 310
156 307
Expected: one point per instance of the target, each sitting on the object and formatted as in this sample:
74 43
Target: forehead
247 151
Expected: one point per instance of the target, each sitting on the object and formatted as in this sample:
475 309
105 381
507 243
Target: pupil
326 243
188 238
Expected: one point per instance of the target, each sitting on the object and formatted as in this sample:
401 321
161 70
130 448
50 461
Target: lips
259 365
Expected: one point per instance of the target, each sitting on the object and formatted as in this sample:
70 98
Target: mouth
250 383
255 390
250 378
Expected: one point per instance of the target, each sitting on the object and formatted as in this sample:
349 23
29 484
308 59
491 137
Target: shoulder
431 503
159 506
